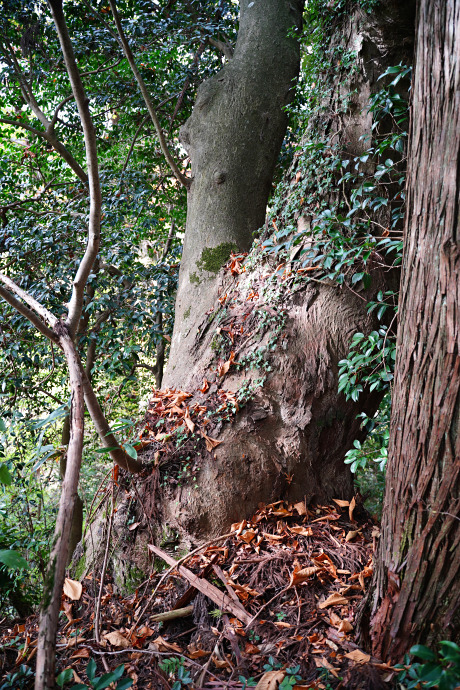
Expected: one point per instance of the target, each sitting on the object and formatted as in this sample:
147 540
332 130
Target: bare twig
146 96
262 608
106 435
216 595
138 131
168 572
51 138
32 302
28 313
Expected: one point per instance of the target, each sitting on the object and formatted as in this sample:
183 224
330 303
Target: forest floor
277 609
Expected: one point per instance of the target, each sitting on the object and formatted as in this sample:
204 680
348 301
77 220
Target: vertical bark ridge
417 586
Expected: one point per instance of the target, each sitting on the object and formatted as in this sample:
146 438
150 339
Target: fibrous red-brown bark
416 590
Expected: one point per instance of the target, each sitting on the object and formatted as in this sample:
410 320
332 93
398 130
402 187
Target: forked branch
89 132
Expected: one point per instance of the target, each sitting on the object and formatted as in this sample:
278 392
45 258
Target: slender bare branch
46 647
224 48
138 131
105 24
28 313
146 96
51 138
106 435
29 199
56 112
24 85
28 299
101 69
131 148
167 247
89 132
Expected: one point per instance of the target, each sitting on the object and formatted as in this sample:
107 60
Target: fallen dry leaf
211 443
270 680
330 516
223 368
250 648
116 639
273 537
334 619
345 627
67 608
188 421
303 531
358 656
299 576
324 663
81 654
352 534
351 508
238 527
340 503
195 652
220 663
334 600
164 646
145 631
301 508
247 536
72 589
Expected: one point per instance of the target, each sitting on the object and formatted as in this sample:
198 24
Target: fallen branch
169 571
171 615
191 592
221 599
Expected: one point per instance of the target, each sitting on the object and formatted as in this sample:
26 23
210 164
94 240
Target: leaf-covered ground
300 575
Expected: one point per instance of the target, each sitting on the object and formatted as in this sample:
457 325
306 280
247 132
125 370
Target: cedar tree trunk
415 595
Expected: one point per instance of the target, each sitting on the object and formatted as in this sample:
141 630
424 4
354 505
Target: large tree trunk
233 138
289 439
415 595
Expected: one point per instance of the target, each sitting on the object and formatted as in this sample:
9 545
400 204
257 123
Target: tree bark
289 440
46 646
77 515
233 139
415 593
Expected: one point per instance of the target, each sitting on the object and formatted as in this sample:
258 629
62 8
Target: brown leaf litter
281 591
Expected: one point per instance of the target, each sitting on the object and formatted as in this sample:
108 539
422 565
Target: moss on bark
213 258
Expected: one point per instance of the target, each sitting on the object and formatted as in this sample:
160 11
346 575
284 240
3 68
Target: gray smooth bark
233 138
